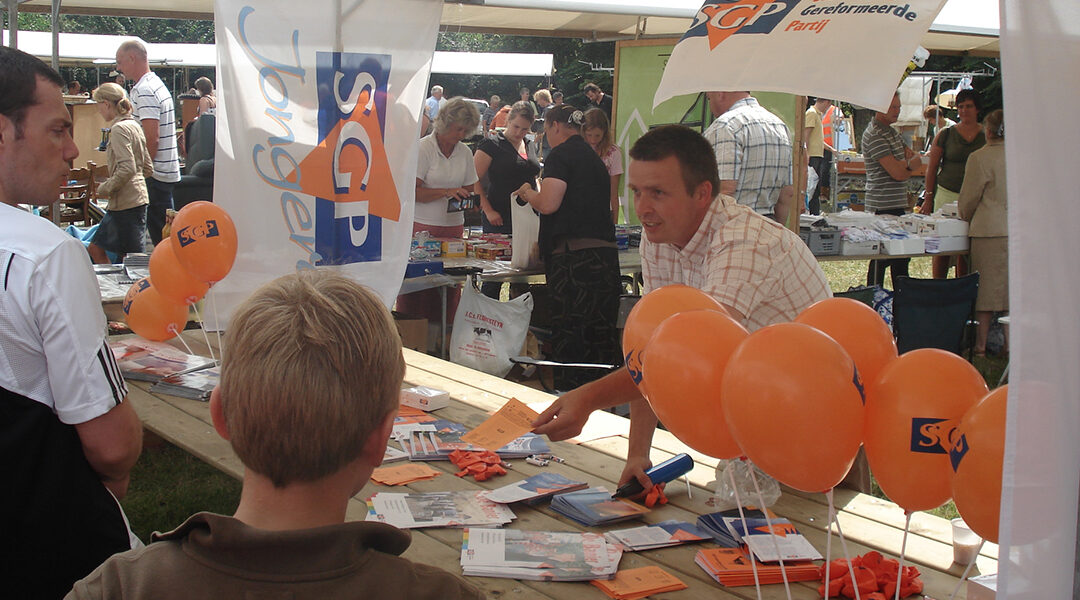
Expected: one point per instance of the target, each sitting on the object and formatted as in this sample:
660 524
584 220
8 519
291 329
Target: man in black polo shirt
598 98
68 439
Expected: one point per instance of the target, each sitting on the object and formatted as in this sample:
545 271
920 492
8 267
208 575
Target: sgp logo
932 435
720 19
194 233
135 290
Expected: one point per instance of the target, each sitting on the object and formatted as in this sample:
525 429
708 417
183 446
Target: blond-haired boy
308 394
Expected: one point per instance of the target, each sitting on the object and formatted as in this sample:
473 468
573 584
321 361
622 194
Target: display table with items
549 541
848 189
858 235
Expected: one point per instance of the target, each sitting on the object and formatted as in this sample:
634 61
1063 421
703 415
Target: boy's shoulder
213 555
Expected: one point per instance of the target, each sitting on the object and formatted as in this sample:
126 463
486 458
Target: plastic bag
488 332
724 496
524 250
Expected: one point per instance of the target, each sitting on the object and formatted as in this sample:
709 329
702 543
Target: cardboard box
425 398
860 248
982 587
912 222
914 245
433 247
419 268
940 227
951 243
452 247
492 251
413 331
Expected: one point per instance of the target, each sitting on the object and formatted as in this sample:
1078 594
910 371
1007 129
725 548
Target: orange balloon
794 403
687 356
977 461
171 279
204 240
858 329
650 311
151 315
912 411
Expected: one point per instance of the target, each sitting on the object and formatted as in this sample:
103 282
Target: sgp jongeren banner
317 138
855 51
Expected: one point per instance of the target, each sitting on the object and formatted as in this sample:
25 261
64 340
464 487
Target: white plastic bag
724 497
524 250
488 332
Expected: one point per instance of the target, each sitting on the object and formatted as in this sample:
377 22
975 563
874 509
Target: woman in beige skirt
983 203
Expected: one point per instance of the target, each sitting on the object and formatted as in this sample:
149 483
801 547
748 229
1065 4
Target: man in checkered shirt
753 154
760 271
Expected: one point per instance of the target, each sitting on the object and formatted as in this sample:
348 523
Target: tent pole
13 23
55 13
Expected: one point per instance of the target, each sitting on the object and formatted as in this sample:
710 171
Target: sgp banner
837 49
317 138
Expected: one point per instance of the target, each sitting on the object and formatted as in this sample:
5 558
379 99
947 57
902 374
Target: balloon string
828 541
903 550
847 555
217 322
967 570
202 326
184 342
742 515
772 535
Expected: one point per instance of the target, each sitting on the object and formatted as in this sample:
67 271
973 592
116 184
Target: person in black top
598 98
577 241
504 164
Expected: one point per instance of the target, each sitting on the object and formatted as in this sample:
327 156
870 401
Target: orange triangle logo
725 20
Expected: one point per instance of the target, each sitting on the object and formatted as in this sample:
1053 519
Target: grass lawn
168 484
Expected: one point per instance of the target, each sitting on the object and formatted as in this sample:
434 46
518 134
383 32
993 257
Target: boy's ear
375 446
217 413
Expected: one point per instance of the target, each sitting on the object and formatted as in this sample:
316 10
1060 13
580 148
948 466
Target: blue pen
671 468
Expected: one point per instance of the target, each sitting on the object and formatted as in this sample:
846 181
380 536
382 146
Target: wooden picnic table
868 523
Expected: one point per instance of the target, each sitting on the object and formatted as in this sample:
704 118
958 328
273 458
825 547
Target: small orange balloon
799 419
650 311
858 329
977 461
171 279
151 315
687 356
912 411
204 240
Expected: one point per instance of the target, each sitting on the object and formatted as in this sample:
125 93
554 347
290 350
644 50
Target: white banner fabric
317 138
856 51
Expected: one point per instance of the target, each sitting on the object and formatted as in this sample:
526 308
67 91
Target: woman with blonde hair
597 132
444 171
122 228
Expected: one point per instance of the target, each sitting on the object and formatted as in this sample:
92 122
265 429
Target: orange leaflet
509 423
402 474
638 583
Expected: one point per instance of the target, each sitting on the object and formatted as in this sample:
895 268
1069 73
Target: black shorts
121 231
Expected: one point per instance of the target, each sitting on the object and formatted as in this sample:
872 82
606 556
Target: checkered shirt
745 261
753 148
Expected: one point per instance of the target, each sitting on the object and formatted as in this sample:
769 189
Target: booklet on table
196 385
773 539
659 535
538 555
437 509
542 485
143 360
595 506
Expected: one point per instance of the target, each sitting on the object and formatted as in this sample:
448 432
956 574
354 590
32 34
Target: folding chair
934 313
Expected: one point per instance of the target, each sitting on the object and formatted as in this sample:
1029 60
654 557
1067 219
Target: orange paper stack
402 474
731 567
639 583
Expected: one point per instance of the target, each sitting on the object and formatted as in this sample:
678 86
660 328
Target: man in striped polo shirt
154 108
889 164
68 438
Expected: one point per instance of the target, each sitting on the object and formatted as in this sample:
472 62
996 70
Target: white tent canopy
963 25
82 48
493 63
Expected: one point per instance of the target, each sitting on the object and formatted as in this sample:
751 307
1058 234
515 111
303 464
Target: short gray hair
457 111
436 88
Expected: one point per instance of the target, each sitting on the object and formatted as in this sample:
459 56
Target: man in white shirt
154 108
68 439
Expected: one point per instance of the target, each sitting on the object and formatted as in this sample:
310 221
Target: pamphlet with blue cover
538 555
542 485
595 506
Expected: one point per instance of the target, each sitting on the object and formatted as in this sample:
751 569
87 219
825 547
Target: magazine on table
438 509
542 485
538 555
732 567
713 523
659 535
766 537
196 385
143 360
595 506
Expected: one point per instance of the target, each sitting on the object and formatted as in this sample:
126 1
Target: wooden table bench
867 522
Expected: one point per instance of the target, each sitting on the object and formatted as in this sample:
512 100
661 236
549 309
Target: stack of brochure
435 440
438 509
143 360
538 487
714 524
196 385
538 555
660 535
773 539
595 506
731 567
